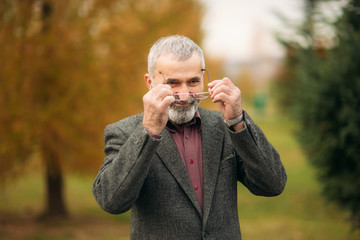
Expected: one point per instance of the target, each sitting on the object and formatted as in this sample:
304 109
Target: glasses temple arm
207 72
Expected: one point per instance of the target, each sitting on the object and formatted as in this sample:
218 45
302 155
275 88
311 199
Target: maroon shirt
188 140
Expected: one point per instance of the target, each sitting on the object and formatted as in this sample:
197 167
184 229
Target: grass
299 213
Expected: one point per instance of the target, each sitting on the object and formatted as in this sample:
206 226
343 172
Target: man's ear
148 81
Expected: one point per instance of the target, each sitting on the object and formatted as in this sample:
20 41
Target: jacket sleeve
260 168
125 167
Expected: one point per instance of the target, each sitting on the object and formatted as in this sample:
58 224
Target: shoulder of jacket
127 123
211 116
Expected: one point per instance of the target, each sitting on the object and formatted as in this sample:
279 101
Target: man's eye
172 83
194 82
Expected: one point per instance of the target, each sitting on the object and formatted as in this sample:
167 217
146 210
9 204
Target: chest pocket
229 161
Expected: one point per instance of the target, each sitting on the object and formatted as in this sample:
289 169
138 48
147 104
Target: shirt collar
196 122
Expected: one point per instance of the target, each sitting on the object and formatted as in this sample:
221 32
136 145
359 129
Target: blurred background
69 68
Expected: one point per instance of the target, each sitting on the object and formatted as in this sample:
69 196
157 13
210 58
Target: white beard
181 115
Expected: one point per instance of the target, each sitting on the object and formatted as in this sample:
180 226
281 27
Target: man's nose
182 96
183 93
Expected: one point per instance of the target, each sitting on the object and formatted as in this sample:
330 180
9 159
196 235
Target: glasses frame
197 95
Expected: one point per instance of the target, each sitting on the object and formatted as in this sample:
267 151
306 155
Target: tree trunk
55 204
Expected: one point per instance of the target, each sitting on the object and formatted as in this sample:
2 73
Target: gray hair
180 46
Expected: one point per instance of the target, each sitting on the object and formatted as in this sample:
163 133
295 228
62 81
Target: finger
214 83
225 80
168 100
220 89
228 81
220 97
219 85
161 91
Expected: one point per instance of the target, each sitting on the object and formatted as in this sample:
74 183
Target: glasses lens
186 96
201 95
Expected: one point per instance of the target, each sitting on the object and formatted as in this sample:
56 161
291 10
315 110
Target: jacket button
196 187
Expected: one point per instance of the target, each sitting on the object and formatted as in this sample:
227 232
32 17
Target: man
176 165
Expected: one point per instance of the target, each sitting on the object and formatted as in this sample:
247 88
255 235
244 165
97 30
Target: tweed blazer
147 175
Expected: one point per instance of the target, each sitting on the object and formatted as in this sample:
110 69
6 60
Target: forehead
171 66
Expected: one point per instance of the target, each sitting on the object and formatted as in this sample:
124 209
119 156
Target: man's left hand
228 96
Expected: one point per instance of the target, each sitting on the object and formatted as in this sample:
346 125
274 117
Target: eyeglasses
198 95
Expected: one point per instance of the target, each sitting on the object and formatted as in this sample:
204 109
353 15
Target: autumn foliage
67 69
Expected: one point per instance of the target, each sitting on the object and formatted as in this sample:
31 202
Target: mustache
183 106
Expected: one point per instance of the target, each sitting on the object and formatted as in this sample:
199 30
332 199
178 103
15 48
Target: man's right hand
156 107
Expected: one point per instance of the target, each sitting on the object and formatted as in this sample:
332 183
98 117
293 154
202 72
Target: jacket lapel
212 140
171 157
